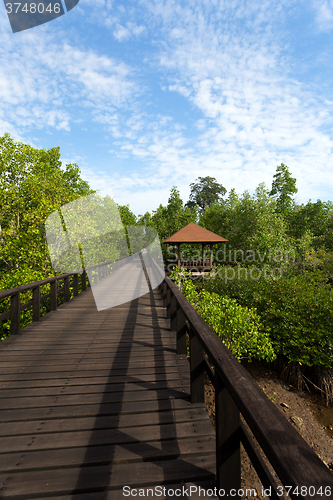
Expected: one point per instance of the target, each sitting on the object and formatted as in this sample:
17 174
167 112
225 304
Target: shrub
239 328
296 310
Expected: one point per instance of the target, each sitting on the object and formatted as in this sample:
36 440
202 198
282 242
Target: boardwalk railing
295 464
70 280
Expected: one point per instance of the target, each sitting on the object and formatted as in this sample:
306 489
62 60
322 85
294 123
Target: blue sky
147 94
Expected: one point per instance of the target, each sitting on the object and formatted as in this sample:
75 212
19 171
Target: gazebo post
211 255
178 245
203 254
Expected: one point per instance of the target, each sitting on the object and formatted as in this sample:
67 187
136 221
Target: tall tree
32 185
168 220
204 192
283 187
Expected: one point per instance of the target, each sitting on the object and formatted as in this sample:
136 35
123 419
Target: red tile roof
192 233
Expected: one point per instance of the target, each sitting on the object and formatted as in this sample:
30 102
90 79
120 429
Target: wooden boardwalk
92 401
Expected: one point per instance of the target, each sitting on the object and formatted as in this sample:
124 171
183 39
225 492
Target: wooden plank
132 355
64 400
113 373
68 411
77 381
68 481
105 436
100 422
64 389
93 349
101 455
120 363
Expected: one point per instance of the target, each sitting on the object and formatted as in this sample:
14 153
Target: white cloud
243 107
44 79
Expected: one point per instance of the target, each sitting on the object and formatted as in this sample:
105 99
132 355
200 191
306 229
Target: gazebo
192 233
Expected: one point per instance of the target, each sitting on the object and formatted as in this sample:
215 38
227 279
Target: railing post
181 332
90 276
84 278
54 295
164 292
228 463
36 303
168 302
197 358
173 313
66 289
15 316
76 285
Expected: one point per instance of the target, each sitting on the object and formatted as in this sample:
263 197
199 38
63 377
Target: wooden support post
15 317
211 255
36 303
173 313
168 301
178 245
76 285
203 254
90 276
84 278
66 289
197 358
164 293
181 332
54 295
228 463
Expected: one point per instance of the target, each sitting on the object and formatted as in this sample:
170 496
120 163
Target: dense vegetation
269 297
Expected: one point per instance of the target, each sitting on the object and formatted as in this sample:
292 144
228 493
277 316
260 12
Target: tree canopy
204 192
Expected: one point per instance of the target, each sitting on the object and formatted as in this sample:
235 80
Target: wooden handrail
35 284
14 312
292 459
15 293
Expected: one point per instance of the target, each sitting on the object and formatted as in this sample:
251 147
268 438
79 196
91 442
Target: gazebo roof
192 233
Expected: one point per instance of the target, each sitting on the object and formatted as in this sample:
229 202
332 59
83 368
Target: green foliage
238 327
205 192
32 186
296 310
313 221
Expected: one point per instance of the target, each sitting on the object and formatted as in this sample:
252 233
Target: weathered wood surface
94 401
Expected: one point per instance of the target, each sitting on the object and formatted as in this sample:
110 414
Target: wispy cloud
44 80
324 14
